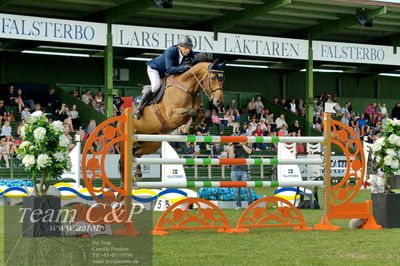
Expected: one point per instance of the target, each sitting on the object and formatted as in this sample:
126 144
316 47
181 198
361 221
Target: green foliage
44 150
387 148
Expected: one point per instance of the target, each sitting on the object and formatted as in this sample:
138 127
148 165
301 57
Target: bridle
220 76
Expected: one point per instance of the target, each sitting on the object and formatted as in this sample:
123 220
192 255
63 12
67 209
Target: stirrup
137 114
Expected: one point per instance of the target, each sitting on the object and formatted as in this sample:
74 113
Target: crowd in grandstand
252 120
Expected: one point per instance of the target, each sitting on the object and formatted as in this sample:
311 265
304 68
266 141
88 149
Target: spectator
240 172
396 111
4 151
379 133
252 125
354 125
233 105
100 108
117 102
384 118
280 121
370 110
283 131
270 120
217 150
3 114
263 124
188 150
284 104
362 124
319 107
37 107
378 109
249 131
265 113
217 122
13 99
52 101
294 128
91 127
259 106
21 124
87 97
242 129
63 113
317 122
345 119
6 131
268 130
75 94
71 145
234 121
74 116
276 100
293 106
301 106
370 138
302 114
98 100
12 147
81 133
251 108
25 114
345 109
227 119
203 130
258 132
349 107
383 109
28 102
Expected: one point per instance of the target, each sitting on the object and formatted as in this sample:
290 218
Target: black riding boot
145 97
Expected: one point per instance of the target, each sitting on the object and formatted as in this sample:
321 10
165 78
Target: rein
199 82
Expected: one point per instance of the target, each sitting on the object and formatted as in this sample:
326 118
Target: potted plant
386 203
44 152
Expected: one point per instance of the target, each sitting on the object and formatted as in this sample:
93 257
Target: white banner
52 30
355 53
238 44
338 163
81 32
171 172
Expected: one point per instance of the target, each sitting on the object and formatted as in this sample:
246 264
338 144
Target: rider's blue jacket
168 62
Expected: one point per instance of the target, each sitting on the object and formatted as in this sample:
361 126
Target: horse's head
214 82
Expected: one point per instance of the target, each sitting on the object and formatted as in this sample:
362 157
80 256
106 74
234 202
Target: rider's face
184 50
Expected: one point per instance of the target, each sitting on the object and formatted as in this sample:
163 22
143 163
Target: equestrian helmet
185 41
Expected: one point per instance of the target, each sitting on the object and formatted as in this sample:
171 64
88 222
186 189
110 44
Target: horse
180 102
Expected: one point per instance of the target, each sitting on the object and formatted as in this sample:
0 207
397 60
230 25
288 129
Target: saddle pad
156 98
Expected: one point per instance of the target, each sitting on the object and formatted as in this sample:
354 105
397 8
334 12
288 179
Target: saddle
154 98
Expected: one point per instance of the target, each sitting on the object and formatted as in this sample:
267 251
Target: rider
169 62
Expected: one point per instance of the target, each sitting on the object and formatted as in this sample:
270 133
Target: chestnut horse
181 101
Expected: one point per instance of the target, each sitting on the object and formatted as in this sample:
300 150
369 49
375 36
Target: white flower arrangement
44 149
387 149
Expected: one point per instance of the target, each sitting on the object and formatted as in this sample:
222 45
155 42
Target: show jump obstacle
265 212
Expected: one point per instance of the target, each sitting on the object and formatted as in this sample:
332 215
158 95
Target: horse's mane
202 57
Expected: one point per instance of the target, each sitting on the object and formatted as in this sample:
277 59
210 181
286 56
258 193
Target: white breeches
154 79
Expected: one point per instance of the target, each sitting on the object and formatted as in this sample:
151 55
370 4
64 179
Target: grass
272 246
